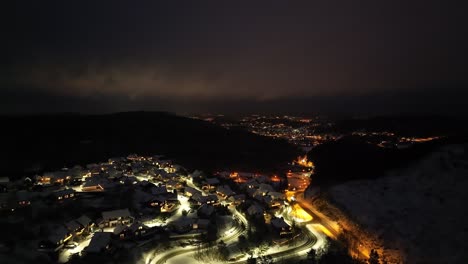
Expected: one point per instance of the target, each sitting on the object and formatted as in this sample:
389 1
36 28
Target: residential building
112 218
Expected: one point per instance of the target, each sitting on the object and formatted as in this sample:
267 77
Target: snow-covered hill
420 211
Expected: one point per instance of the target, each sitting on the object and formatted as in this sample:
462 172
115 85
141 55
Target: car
70 245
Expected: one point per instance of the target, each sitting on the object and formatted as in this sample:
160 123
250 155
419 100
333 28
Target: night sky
346 56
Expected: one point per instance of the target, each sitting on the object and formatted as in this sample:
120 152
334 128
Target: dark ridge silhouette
33 144
410 125
352 158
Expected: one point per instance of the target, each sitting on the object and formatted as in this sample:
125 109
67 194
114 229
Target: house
170 206
210 184
197 199
63 195
200 199
205 211
60 177
189 191
280 227
73 227
237 199
121 232
157 201
173 185
139 230
224 191
100 243
85 223
160 175
92 184
211 199
46 179
112 218
255 210
56 240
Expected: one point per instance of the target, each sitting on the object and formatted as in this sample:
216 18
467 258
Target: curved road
233 234
321 219
293 252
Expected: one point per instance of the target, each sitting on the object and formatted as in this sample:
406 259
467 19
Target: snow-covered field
420 211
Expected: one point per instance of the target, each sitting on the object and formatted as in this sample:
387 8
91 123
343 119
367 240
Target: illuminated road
65 254
315 230
311 238
230 236
332 227
326 226
300 250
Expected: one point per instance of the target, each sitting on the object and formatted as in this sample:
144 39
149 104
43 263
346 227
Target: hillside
32 144
419 211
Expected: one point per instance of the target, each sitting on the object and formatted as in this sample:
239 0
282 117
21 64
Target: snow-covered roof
72 225
191 190
64 192
238 198
119 229
59 234
99 241
225 190
83 220
116 214
212 181
206 209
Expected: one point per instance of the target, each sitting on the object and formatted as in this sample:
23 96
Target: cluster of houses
69 184
10 201
257 187
62 234
266 200
156 188
111 226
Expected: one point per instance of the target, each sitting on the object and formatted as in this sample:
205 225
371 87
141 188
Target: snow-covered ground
420 211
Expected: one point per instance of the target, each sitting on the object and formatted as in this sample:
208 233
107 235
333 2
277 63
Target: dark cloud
196 54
